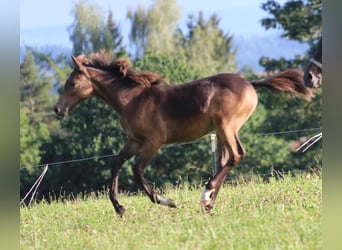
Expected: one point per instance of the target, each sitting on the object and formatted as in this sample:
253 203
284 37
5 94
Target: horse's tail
290 80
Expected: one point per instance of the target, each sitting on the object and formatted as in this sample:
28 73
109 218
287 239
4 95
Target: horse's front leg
147 153
128 151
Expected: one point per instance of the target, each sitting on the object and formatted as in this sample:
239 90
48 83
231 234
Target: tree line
157 44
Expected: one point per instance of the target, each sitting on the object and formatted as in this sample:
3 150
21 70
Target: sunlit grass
283 214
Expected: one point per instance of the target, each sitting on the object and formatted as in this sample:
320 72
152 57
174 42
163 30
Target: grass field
284 214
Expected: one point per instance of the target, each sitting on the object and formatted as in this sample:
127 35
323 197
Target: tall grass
283 214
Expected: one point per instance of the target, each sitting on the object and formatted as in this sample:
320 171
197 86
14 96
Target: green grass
284 214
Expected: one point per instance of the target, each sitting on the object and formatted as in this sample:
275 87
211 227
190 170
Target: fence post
35 186
213 151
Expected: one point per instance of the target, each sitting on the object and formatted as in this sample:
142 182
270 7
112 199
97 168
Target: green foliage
139 31
113 40
90 33
35 102
284 214
217 54
163 18
35 87
174 68
300 21
31 140
85 31
270 136
248 73
153 28
262 151
92 130
282 64
270 133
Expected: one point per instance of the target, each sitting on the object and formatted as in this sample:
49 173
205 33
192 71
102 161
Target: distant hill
249 48
53 50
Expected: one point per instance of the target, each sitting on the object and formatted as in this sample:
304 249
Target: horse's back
232 82
203 86
196 97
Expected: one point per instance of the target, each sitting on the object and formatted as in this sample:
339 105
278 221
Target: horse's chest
139 124
129 129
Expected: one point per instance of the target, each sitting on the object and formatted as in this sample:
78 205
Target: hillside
249 48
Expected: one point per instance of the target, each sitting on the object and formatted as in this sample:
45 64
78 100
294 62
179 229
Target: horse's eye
72 84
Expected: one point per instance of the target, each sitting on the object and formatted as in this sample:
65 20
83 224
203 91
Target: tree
163 19
89 32
34 87
86 28
35 103
208 47
31 140
174 69
154 28
112 38
300 20
139 30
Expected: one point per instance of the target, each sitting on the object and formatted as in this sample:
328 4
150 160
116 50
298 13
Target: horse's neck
111 91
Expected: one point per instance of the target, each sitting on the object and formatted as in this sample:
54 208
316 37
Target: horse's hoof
166 202
206 200
120 210
206 209
171 203
206 197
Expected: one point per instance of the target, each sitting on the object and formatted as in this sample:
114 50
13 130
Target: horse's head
313 75
78 87
313 72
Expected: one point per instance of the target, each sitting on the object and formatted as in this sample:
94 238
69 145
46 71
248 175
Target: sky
44 25
45 22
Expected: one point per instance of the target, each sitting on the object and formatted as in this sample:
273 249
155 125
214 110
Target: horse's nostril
310 76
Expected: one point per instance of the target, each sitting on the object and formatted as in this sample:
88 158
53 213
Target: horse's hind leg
129 150
147 153
231 152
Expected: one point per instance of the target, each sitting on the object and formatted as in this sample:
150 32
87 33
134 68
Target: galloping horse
313 72
152 113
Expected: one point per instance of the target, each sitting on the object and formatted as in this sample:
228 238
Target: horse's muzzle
60 112
313 81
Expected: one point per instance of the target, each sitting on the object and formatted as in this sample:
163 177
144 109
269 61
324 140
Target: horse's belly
188 130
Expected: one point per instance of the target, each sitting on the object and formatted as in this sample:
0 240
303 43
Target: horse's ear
78 64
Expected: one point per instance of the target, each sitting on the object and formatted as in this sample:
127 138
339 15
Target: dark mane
121 67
